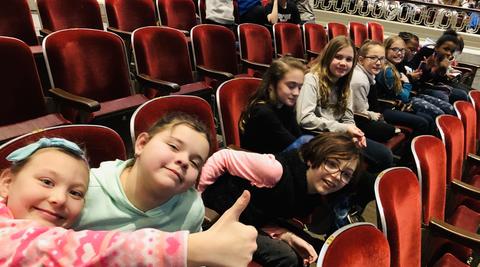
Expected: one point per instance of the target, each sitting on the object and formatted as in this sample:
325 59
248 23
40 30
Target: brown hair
321 68
366 46
174 119
271 78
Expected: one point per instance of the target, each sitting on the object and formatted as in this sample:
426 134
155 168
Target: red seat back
358 33
61 14
111 146
366 246
21 90
128 15
466 112
375 31
162 53
431 161
452 133
336 29
214 48
400 214
288 40
178 14
316 37
475 99
232 97
255 43
16 21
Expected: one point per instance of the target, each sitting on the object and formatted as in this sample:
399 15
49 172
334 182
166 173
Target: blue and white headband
26 151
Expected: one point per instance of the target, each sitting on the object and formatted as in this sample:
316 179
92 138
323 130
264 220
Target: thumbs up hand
227 243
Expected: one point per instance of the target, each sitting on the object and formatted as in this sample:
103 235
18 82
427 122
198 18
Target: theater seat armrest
124 34
255 65
454 233
164 87
465 189
210 218
187 33
361 117
214 74
45 32
311 53
473 159
75 101
472 67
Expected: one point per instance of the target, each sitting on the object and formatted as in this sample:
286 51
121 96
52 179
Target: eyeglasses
397 49
375 59
331 166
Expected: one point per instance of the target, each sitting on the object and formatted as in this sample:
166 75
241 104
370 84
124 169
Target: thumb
234 212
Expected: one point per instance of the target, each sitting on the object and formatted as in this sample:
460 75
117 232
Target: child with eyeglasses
371 58
290 185
392 83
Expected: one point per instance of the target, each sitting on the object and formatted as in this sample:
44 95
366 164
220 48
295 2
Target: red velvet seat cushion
121 104
466 219
17 129
448 260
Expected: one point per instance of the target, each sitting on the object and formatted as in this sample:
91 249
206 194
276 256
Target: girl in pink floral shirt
43 193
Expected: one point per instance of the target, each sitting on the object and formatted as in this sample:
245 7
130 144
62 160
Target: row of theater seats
404 202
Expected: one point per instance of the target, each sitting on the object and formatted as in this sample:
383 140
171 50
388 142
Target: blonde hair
397 85
321 68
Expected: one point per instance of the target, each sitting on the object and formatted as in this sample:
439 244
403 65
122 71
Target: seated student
325 101
305 9
43 193
251 11
301 181
282 11
268 123
434 62
371 57
219 12
159 180
393 84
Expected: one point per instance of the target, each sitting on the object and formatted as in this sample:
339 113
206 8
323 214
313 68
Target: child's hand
302 247
404 78
416 74
374 116
227 243
358 135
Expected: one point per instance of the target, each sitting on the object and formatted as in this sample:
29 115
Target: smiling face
171 160
332 175
288 88
446 49
396 52
374 59
49 188
341 63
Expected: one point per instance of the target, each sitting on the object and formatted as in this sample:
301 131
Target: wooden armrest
255 65
465 189
123 34
473 67
463 69
45 32
187 33
214 74
361 117
311 53
237 148
475 159
210 218
77 102
454 233
163 86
